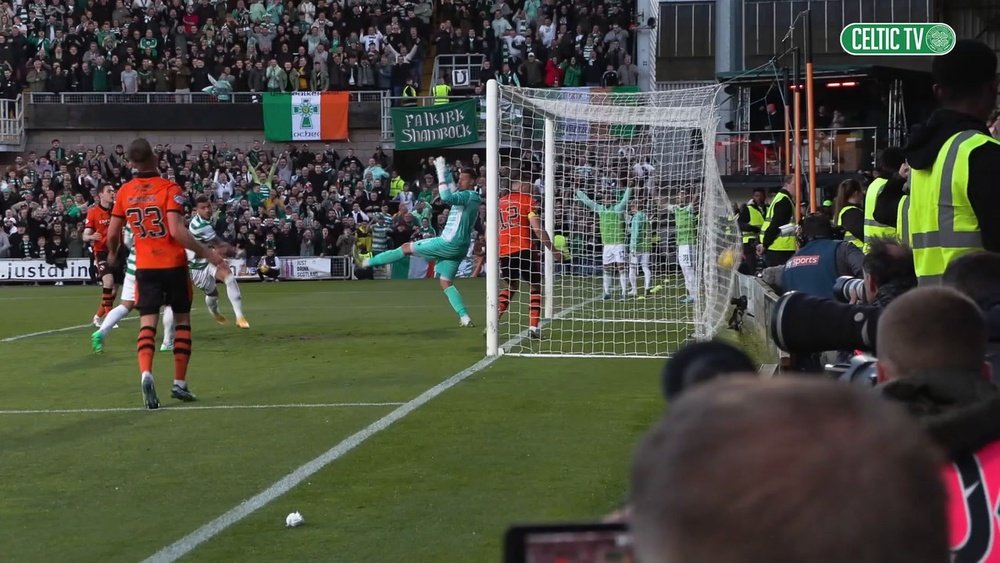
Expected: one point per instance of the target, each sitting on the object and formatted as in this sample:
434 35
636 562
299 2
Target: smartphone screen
571 543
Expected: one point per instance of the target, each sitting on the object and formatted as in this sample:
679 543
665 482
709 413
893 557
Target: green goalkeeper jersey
129 242
686 223
611 220
641 239
202 232
462 217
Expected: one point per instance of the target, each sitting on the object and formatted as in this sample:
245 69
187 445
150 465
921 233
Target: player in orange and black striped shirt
520 228
96 233
153 208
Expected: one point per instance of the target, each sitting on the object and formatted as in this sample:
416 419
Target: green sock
455 299
387 257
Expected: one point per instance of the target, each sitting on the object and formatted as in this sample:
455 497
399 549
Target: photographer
931 359
888 274
814 269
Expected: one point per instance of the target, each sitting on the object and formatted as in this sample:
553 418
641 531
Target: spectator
689 504
130 79
628 72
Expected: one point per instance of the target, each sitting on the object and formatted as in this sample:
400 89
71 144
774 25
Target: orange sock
535 310
145 348
504 301
107 301
182 351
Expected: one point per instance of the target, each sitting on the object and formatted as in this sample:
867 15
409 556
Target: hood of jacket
960 410
927 140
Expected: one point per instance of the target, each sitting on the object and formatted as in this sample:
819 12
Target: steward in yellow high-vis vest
954 201
778 247
889 162
441 92
751 219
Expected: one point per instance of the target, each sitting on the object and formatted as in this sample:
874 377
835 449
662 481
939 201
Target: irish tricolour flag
306 116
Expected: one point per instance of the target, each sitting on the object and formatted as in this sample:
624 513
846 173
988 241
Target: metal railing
12 121
40 98
388 102
462 70
839 150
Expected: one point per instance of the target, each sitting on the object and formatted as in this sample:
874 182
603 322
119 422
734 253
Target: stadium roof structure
824 72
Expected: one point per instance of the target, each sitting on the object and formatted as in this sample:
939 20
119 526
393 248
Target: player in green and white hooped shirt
127 302
611 221
451 247
640 246
686 234
203 274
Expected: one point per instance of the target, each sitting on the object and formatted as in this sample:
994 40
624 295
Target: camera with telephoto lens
803 324
847 289
739 310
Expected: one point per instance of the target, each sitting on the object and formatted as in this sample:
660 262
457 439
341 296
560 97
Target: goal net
626 186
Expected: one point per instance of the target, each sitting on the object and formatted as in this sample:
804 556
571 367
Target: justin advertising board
77 269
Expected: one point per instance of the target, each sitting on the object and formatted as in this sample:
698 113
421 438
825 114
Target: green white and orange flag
306 116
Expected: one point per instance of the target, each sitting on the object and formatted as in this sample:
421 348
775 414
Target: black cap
968 67
701 362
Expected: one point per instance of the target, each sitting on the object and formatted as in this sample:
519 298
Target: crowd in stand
157 46
269 45
306 201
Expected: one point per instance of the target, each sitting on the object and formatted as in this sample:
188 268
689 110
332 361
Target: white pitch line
188 543
44 332
202 408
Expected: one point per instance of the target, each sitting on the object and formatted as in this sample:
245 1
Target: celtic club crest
940 39
306 111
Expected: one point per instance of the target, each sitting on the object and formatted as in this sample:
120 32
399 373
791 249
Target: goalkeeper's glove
442 170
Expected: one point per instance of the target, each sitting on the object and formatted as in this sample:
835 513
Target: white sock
647 272
181 383
213 304
607 282
633 277
168 326
623 281
112 318
146 376
235 297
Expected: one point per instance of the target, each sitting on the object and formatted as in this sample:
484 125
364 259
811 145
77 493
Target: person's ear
882 372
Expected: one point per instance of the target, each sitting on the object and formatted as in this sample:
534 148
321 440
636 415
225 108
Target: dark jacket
984 166
784 211
961 411
887 202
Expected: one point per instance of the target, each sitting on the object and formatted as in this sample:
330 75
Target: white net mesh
638 210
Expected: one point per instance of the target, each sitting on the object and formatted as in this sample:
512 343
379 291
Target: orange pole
797 141
811 131
788 142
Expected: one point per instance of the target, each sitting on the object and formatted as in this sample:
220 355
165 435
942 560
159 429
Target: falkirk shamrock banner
305 116
442 125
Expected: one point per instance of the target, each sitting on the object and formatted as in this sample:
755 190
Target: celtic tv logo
899 39
306 110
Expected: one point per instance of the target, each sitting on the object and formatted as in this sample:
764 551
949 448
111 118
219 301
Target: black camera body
860 370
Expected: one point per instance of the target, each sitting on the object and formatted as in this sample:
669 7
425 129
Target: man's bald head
931 328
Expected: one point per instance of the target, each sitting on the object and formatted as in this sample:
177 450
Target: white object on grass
294 519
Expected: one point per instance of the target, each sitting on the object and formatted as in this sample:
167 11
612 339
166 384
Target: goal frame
494 346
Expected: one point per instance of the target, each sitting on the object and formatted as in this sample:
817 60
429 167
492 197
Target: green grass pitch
524 439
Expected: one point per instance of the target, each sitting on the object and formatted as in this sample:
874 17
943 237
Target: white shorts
128 288
204 279
685 256
638 258
614 254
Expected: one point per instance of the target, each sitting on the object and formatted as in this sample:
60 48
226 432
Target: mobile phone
569 543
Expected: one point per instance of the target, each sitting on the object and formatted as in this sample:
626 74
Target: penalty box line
198 408
188 543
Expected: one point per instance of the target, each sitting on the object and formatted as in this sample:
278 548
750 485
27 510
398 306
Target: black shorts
103 268
525 266
156 288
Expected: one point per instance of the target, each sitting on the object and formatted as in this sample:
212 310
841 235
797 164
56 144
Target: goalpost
629 190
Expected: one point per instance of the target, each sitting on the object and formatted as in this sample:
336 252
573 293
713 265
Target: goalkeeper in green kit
611 220
451 247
